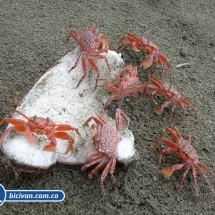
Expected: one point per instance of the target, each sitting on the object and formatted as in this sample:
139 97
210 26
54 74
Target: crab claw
49 148
146 64
168 171
158 110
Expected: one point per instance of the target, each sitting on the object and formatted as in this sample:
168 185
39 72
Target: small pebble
212 43
183 52
184 37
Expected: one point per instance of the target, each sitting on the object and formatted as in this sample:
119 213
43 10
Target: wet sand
32 38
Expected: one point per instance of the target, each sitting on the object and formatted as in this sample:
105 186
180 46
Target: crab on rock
166 90
148 47
40 126
93 45
185 152
105 140
126 83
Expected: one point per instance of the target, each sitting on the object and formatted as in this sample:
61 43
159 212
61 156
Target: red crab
186 153
93 45
126 83
40 126
105 140
166 90
148 47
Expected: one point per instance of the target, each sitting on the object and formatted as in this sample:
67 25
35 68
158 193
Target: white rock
54 95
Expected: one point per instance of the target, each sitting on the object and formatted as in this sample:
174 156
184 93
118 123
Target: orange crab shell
105 140
166 90
185 152
148 47
40 126
126 83
93 45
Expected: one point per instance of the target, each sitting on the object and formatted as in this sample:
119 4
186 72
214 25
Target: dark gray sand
32 36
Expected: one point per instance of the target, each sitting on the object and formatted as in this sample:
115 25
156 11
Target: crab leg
133 42
177 131
93 155
132 45
97 168
166 141
140 87
189 103
155 81
206 168
29 135
165 151
17 122
94 67
72 34
84 67
163 58
62 127
95 160
130 37
92 64
5 134
94 118
20 113
99 57
182 109
204 176
174 136
172 109
127 70
21 126
65 136
76 63
113 166
191 135
105 173
155 92
120 118
183 176
194 179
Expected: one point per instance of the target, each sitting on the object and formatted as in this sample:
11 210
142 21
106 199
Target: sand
32 38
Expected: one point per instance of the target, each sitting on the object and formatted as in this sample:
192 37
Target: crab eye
35 119
170 87
97 137
48 120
